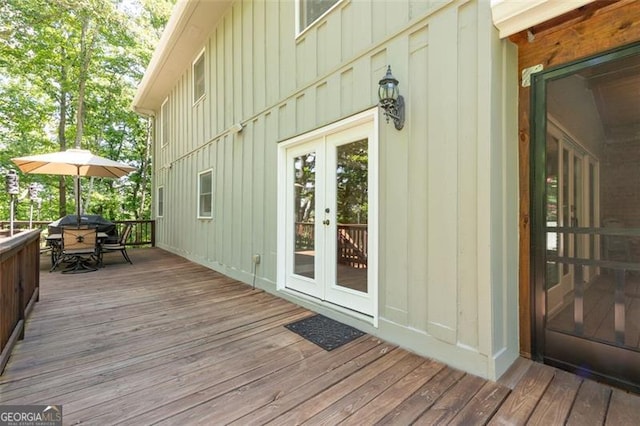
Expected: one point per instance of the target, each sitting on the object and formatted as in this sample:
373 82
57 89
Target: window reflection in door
352 193
593 123
304 169
552 210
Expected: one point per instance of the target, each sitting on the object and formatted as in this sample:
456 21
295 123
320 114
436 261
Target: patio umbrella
73 162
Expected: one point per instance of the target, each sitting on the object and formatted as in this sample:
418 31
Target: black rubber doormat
324 332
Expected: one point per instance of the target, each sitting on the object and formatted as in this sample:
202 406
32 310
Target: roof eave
512 16
190 24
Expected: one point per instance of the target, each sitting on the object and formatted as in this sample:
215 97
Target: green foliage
58 57
352 183
305 187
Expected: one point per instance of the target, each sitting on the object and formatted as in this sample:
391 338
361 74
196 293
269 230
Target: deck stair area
352 245
168 341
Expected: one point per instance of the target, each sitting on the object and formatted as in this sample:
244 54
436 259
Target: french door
326 214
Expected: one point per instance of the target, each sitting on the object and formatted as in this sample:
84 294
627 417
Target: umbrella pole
77 182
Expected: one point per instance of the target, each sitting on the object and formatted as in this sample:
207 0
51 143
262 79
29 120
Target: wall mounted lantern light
390 99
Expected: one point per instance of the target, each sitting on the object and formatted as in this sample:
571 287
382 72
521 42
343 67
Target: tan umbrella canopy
73 162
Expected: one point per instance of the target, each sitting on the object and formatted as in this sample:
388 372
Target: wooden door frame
592 29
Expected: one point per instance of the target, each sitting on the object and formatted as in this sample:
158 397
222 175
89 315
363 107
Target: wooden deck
599 311
167 341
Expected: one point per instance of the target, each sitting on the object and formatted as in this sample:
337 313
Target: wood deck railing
19 287
143 233
352 242
352 245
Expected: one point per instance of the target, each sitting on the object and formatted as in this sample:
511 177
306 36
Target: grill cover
93 220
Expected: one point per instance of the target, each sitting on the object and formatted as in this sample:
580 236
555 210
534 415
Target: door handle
325 222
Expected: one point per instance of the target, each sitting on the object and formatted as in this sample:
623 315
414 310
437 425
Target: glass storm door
328 236
586 217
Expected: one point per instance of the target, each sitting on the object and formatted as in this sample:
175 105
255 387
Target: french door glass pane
352 169
304 188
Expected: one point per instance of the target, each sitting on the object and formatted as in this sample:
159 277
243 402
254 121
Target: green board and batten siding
448 180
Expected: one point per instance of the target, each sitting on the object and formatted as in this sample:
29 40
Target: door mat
324 332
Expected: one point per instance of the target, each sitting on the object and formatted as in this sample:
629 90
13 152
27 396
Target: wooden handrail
352 242
19 287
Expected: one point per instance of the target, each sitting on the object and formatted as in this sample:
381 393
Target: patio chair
76 243
120 246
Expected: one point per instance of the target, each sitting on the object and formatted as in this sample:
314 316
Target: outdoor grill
91 220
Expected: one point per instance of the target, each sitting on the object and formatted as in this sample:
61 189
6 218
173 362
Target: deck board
378 407
482 406
524 398
599 312
443 411
292 400
351 403
312 406
590 405
258 393
624 409
412 407
555 404
168 341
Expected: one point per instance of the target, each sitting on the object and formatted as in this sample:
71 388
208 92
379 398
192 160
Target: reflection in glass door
552 212
304 188
566 209
351 214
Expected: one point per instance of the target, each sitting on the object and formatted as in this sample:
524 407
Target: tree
352 183
68 73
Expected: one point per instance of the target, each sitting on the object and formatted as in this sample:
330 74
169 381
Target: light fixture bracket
395 111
